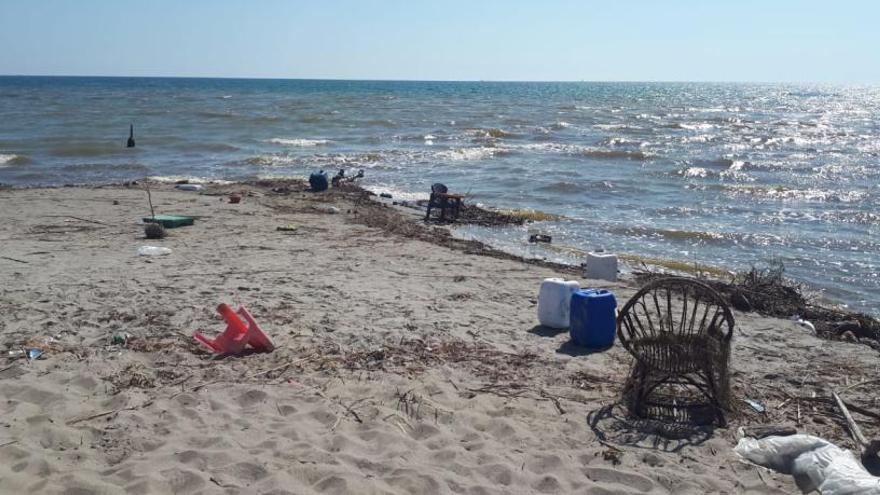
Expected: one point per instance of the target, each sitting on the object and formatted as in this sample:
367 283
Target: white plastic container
601 266
153 251
190 187
554 302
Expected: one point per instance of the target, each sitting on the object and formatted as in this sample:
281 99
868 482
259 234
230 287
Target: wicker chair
679 332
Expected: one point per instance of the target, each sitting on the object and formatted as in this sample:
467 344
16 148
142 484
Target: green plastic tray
170 221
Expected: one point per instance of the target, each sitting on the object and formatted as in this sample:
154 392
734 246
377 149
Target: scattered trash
287 228
318 181
593 318
31 354
385 195
154 231
601 266
189 187
536 238
238 333
120 339
327 209
341 178
757 406
806 324
762 431
234 198
816 464
170 221
554 302
153 251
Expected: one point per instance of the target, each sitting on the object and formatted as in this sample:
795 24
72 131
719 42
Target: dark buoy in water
130 143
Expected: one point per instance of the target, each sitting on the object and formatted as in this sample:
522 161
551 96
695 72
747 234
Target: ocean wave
105 167
89 150
701 237
576 150
489 133
694 172
172 179
327 161
671 234
606 154
560 125
398 194
701 126
700 138
298 143
573 187
621 141
782 193
9 160
469 154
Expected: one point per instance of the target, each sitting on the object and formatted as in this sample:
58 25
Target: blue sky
673 40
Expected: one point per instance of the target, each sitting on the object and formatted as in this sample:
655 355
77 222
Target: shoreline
504 217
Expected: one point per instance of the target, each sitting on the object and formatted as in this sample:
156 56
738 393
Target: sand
402 366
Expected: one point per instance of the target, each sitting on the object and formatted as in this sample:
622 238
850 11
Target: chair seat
677 354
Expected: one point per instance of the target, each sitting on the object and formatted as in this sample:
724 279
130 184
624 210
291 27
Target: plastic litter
153 251
593 318
189 187
601 266
757 406
318 181
33 354
803 323
238 333
816 464
120 338
554 302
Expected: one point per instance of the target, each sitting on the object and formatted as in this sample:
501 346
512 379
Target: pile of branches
768 292
474 215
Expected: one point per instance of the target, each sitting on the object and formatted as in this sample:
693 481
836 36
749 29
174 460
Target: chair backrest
674 307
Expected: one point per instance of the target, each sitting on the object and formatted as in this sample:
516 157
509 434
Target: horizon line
340 79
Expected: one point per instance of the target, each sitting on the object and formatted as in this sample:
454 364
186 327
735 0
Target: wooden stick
107 413
87 220
8 443
863 382
150 200
13 259
854 429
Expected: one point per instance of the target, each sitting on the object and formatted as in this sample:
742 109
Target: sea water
727 175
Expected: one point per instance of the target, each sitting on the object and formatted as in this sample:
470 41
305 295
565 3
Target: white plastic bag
153 251
816 464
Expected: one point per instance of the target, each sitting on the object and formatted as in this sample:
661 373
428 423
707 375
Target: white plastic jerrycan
554 301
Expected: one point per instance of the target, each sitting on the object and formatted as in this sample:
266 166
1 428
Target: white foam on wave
397 194
468 154
7 160
694 172
790 194
697 127
171 179
299 143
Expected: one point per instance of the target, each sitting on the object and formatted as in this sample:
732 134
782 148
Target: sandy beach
406 362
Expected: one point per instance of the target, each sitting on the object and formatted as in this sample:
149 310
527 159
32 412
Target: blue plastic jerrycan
593 318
